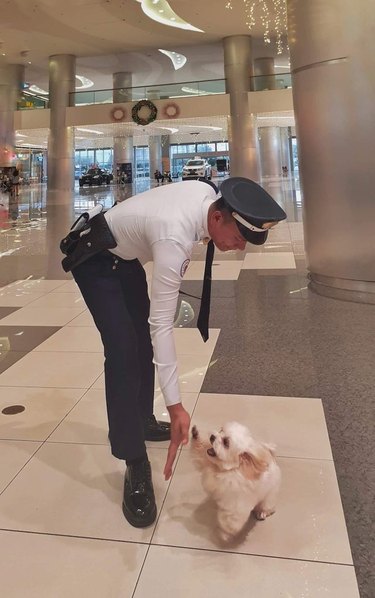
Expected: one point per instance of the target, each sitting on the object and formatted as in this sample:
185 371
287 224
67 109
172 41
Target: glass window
205 147
222 147
142 161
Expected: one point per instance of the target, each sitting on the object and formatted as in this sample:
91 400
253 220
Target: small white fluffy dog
239 473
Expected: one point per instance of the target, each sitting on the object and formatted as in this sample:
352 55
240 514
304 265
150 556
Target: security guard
160 225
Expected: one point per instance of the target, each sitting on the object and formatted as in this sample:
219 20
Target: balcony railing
156 92
173 90
29 101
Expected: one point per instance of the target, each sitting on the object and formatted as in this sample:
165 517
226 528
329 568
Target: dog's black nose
212 438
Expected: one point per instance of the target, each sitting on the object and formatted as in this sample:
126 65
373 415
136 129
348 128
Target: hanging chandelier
271 13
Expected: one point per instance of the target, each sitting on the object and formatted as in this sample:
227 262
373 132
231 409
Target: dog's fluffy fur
240 474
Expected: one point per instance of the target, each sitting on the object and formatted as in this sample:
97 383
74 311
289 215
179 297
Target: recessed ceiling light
89 131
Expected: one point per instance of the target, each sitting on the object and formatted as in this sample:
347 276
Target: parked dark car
95 176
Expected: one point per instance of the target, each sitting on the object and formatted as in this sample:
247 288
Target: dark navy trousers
115 292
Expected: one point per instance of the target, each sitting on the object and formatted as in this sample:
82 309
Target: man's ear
217 215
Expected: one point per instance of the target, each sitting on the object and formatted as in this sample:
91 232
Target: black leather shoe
138 504
157 430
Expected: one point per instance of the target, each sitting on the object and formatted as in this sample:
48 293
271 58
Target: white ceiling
115 35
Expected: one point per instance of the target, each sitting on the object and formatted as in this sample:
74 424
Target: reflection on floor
279 359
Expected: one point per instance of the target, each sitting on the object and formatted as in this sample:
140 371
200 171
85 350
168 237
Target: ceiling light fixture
178 60
36 89
274 18
171 129
161 12
89 131
85 82
204 127
200 92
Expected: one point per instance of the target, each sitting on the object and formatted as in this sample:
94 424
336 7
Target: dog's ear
254 463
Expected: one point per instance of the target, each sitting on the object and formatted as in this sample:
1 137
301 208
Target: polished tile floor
279 359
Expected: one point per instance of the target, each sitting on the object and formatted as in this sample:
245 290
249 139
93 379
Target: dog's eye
226 442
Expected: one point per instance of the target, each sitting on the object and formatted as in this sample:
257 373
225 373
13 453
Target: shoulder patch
184 267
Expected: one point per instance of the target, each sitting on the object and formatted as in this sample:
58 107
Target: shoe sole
135 522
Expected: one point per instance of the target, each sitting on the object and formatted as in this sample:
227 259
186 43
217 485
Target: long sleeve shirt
162 225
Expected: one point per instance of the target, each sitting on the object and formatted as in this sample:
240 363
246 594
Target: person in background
158 176
15 180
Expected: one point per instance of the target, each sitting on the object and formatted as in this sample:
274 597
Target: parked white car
195 168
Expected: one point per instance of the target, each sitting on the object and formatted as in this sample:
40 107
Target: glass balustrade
159 92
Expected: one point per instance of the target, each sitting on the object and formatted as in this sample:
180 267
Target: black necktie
204 312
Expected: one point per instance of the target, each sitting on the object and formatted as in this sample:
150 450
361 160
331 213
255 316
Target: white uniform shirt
162 225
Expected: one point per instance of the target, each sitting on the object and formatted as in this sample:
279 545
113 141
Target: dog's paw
261 515
194 432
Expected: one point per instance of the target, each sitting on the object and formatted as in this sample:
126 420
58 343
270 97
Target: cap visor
252 236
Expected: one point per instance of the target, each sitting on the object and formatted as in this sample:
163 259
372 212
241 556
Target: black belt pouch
80 245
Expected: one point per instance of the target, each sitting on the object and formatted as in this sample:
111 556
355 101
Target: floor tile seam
174 466
178 457
66 415
35 350
253 554
74 443
20 440
21 469
236 394
42 443
151 447
141 571
41 297
293 457
46 387
75 536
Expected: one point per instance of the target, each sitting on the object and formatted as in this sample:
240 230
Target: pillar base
344 289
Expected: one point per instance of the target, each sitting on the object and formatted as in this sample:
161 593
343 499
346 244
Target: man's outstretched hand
180 423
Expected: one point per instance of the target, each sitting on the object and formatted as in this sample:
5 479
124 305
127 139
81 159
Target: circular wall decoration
143 105
171 110
118 113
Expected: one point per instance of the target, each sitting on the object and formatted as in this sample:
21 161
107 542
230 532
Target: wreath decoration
171 110
153 111
118 113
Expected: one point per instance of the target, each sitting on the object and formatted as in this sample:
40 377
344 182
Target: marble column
61 138
155 153
122 87
333 69
12 77
270 151
241 129
285 148
60 160
264 74
165 157
123 151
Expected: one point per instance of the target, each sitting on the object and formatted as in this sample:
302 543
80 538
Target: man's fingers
172 452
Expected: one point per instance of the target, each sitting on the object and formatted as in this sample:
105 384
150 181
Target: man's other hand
180 423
